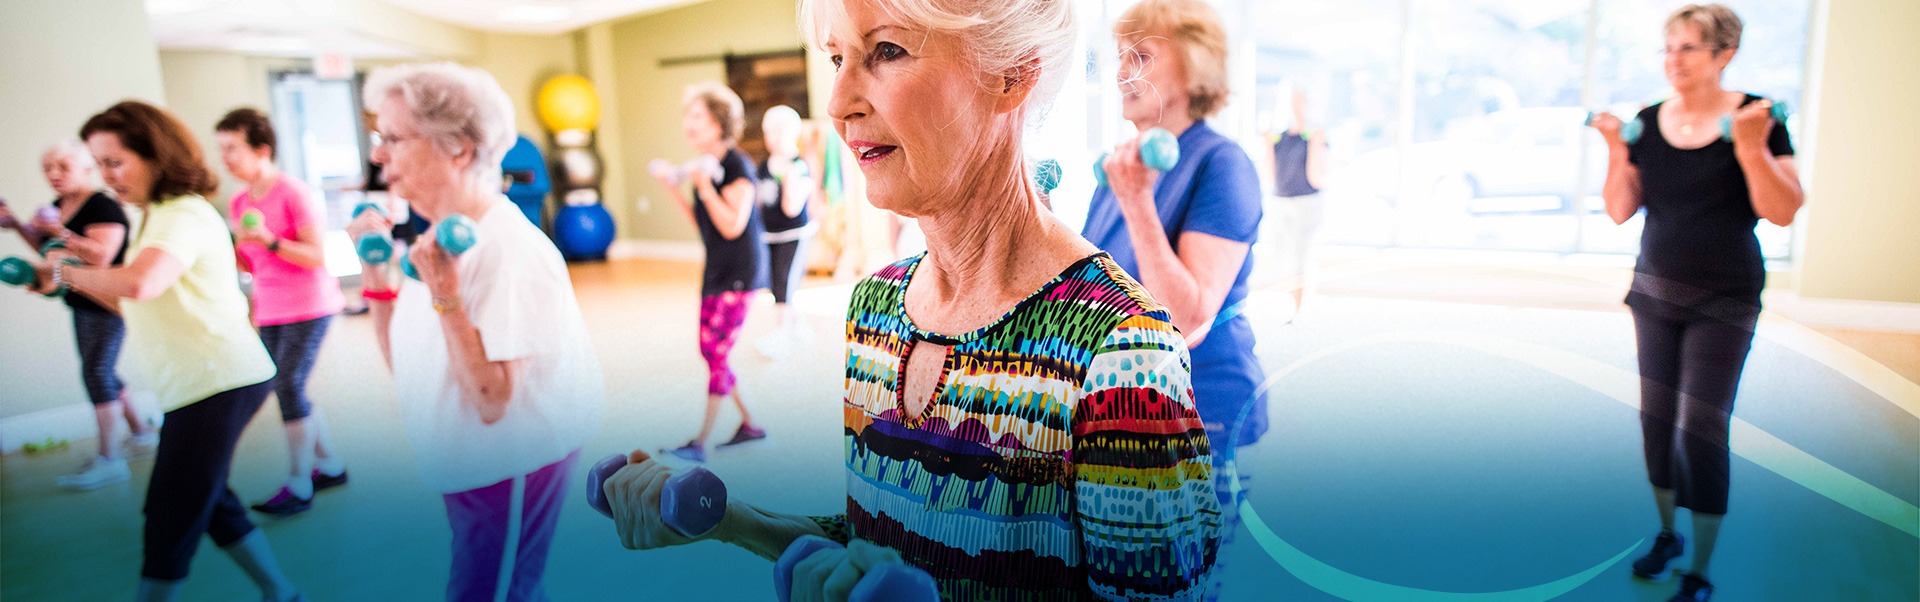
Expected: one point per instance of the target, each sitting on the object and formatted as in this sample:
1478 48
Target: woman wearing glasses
1696 290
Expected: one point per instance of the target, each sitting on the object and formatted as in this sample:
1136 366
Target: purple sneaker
746 433
284 504
322 481
693 451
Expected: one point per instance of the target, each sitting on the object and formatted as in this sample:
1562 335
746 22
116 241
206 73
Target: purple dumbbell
891 582
692 503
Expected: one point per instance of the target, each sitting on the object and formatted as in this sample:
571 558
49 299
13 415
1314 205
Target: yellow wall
203 86
649 95
62 61
1863 195
522 63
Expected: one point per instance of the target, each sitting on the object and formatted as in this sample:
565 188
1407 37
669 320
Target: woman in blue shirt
1187 234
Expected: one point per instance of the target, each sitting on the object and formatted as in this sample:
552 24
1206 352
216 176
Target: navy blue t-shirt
1213 190
740 263
1290 166
1698 248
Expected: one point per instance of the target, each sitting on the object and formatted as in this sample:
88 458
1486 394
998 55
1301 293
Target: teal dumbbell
1158 149
1630 130
455 235
375 248
1046 175
52 244
1778 111
15 271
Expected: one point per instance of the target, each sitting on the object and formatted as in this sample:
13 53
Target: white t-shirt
517 292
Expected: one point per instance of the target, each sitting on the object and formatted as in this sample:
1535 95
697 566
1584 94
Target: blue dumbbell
892 582
1630 130
1778 111
692 503
1046 175
455 235
1158 149
375 248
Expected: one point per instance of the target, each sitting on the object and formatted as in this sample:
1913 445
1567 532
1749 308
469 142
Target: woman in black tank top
1696 289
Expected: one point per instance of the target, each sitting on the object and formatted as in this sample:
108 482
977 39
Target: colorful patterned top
1062 458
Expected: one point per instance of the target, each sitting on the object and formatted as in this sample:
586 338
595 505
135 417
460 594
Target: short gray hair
73 150
454 106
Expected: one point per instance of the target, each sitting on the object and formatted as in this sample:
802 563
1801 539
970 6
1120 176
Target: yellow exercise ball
567 102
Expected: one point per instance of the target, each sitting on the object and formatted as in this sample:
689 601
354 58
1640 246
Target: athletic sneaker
322 480
1666 547
143 444
284 504
1693 589
693 451
746 433
100 471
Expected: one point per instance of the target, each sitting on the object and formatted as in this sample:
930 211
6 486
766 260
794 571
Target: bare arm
728 207
1774 184
795 191
488 383
1622 188
98 244
150 273
1192 280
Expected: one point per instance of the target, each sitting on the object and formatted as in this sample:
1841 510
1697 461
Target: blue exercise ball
583 232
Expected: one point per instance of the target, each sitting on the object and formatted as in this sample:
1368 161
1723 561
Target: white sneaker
143 444
99 472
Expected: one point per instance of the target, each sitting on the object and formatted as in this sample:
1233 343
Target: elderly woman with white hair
1019 420
785 189
494 372
93 227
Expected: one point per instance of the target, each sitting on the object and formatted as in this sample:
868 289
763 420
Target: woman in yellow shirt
190 338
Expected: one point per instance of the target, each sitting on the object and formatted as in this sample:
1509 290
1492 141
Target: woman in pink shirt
294 298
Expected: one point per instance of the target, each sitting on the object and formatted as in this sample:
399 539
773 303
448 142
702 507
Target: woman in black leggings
189 331
1696 290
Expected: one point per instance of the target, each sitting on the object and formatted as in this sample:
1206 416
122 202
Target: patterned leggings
721 315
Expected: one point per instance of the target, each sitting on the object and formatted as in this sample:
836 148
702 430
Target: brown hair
162 140
1719 27
1199 39
254 125
723 105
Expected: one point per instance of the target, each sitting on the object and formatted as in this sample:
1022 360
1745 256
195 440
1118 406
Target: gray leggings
294 348
98 334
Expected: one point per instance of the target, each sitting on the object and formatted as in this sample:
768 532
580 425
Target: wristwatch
274 247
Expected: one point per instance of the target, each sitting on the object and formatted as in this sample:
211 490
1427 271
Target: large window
1457 123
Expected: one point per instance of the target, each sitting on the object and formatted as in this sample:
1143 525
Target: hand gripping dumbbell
455 234
692 503
680 174
15 271
374 248
890 582
1778 111
1158 149
1046 175
1630 130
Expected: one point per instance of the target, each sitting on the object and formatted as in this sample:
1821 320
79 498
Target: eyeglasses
1689 49
387 139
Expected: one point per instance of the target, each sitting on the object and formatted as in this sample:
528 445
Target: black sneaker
1693 589
746 433
284 504
1666 547
323 481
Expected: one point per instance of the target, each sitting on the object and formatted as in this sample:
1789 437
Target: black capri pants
1690 366
188 494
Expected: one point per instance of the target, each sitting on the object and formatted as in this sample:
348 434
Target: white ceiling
532 16
304 28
